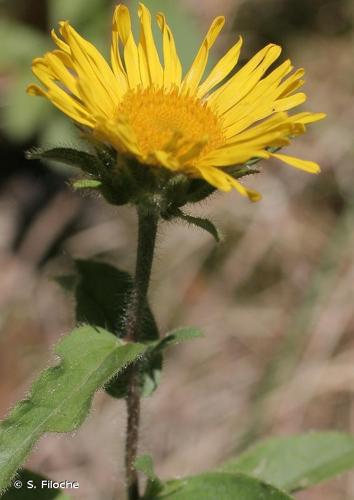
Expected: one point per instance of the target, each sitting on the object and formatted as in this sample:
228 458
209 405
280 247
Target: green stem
145 252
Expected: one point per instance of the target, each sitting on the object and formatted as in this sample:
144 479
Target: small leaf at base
86 184
178 336
145 465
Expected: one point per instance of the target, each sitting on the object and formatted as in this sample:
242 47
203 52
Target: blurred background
275 298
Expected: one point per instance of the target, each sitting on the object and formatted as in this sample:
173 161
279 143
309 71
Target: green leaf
219 486
60 399
178 336
86 184
200 222
32 488
102 295
69 156
150 367
297 462
152 362
145 465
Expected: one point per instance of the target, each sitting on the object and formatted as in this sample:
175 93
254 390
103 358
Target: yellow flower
151 112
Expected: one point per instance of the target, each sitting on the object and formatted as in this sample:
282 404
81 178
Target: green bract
122 180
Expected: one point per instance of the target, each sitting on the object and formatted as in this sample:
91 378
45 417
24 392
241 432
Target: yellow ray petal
116 60
241 151
172 64
35 90
235 156
309 166
70 106
149 58
131 56
143 68
167 160
292 83
307 117
67 103
245 191
42 72
238 86
60 43
118 133
92 67
193 152
263 92
258 105
289 102
196 71
223 181
275 121
279 123
221 69
66 59
245 82
61 72
215 177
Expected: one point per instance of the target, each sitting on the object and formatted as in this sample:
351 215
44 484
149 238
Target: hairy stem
145 252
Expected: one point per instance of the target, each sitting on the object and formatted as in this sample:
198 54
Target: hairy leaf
61 397
145 465
69 156
219 486
177 336
200 222
297 462
102 296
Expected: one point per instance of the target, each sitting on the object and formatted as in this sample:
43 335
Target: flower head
147 110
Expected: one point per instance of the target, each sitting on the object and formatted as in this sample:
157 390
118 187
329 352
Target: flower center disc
163 120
